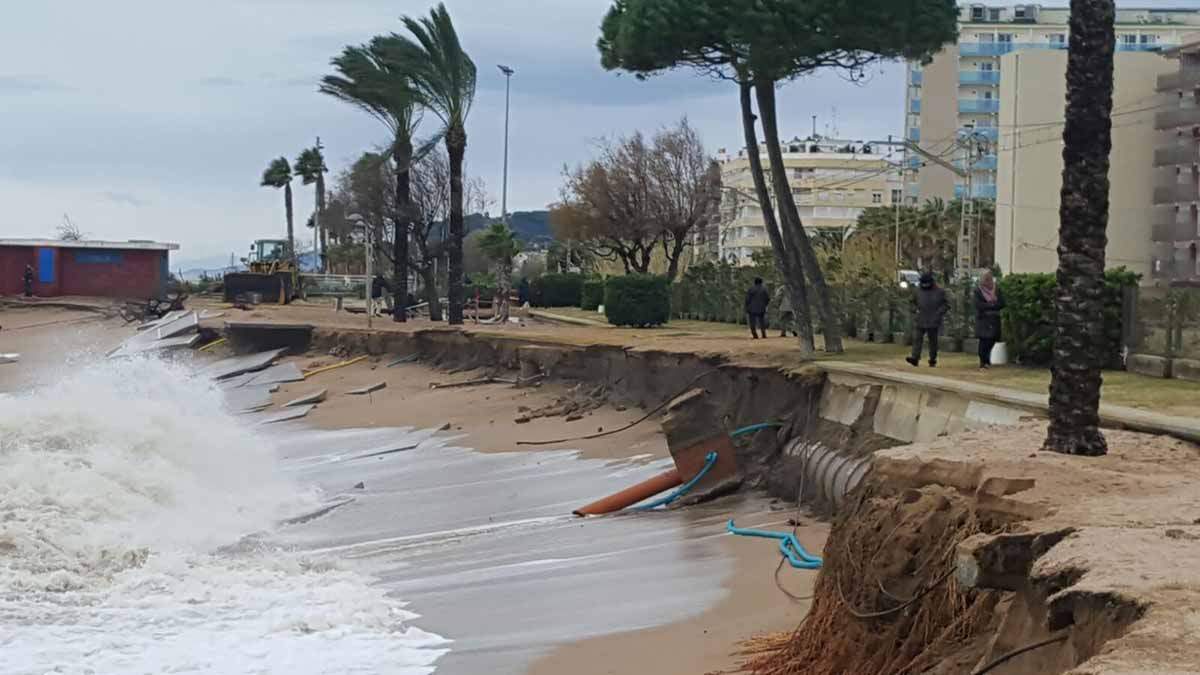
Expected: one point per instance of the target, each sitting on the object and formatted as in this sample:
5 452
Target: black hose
1017 652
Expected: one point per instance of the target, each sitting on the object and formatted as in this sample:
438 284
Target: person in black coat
29 281
988 303
930 306
757 300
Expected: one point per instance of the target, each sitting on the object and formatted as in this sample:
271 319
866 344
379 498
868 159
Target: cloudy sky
154 118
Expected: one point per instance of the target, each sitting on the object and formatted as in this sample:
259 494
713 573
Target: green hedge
638 300
1029 313
557 290
593 294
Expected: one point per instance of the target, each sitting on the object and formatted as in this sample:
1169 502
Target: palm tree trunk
1079 300
402 155
797 237
321 236
456 148
287 205
793 271
504 284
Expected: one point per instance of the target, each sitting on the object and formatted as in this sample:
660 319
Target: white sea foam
122 487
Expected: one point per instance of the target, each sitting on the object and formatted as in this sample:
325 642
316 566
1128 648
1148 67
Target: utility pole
508 73
814 133
903 158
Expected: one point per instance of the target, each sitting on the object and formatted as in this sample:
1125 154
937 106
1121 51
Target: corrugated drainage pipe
826 473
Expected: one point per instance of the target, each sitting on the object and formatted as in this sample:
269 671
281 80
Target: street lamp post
508 73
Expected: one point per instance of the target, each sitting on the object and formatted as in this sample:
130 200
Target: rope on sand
343 364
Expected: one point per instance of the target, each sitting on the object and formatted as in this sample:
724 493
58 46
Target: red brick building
131 269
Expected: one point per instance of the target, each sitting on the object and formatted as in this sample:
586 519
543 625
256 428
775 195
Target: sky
153 119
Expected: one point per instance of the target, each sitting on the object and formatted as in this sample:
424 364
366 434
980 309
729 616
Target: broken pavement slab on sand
281 373
362 391
290 414
249 399
239 365
311 397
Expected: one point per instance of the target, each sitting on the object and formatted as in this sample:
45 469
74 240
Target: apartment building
958 93
1176 231
832 181
1029 178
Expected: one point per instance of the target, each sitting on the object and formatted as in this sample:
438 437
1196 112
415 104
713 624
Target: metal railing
1177 153
979 77
978 105
1181 117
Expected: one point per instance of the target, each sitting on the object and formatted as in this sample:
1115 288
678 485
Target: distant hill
531 227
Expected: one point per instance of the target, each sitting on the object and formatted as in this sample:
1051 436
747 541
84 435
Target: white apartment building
832 181
958 93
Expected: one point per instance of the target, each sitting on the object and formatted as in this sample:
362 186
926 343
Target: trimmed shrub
557 290
1028 315
593 294
638 300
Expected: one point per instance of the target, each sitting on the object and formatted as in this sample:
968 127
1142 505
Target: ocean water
137 521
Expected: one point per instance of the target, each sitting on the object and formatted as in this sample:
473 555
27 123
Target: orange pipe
633 494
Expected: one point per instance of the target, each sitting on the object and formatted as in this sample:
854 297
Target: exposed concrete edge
56 304
1111 416
559 318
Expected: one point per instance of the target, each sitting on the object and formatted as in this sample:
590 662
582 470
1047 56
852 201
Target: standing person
929 309
29 281
523 292
381 289
787 316
988 303
757 300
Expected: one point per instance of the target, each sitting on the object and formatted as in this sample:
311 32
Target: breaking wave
123 486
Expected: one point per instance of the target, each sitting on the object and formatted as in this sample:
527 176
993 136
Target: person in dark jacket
757 300
929 310
29 281
523 291
988 303
381 290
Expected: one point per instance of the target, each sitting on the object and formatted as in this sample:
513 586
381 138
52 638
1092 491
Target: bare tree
68 230
638 197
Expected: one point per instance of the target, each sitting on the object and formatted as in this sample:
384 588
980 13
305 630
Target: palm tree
310 168
444 77
500 246
1079 302
279 175
376 85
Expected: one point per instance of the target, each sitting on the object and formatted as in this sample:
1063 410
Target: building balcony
1177 193
984 48
916 78
1177 154
1187 78
1174 232
978 105
983 191
914 106
986 133
914 135
913 163
1180 117
979 77
985 163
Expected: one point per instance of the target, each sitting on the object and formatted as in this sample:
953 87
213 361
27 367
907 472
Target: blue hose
755 427
789 546
709 462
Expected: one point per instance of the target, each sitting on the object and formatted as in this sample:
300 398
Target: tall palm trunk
402 155
431 293
793 271
321 236
797 237
287 205
504 270
456 147
1079 299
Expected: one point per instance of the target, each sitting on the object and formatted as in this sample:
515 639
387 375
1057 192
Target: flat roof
131 245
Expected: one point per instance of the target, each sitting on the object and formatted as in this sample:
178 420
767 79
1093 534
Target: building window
993 14
839 196
1058 39
822 196
876 197
977 13
897 195
1004 38
1129 39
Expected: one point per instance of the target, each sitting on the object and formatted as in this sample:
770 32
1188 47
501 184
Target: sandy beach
491 558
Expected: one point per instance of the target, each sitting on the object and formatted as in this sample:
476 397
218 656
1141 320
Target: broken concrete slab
239 365
163 320
311 397
289 414
135 346
209 314
9 358
248 399
283 372
179 326
361 391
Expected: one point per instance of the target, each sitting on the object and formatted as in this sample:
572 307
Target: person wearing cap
930 306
